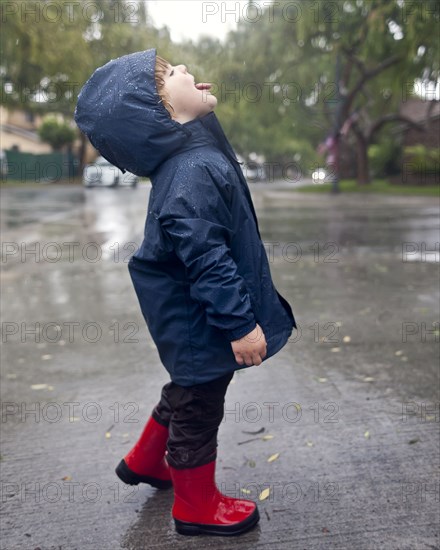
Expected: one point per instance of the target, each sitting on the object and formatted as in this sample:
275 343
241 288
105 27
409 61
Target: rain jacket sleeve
196 217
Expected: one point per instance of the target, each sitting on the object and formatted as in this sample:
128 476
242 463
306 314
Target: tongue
203 86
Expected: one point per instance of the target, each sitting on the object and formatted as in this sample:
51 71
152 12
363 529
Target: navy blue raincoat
201 274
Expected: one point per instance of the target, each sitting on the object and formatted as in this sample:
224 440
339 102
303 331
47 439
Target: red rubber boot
199 507
145 463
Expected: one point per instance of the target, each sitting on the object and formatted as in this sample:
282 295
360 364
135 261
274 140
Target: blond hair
161 68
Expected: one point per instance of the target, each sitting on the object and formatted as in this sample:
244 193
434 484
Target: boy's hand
250 349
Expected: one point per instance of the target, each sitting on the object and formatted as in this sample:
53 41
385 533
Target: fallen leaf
398 352
246 491
322 379
412 441
273 457
264 494
346 339
11 376
66 478
369 379
267 437
404 358
335 350
108 435
367 434
38 386
261 430
309 443
46 356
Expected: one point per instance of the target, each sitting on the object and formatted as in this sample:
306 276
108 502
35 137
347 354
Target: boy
201 274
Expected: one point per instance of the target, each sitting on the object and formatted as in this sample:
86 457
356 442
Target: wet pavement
351 402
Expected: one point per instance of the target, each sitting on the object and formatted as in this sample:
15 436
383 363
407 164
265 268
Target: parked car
103 174
322 175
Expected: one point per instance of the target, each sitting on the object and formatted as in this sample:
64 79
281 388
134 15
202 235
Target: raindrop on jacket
201 274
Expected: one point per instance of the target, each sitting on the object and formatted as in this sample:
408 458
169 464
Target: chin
212 102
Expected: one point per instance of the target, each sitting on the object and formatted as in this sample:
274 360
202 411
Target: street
347 412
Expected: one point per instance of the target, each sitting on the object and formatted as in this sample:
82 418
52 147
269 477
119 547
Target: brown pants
193 415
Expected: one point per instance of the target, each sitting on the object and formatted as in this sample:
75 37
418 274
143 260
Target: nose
183 68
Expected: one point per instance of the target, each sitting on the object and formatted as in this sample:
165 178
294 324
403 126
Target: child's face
189 100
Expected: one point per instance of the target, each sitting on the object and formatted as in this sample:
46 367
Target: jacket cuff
238 333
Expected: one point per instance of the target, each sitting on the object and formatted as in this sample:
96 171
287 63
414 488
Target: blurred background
309 92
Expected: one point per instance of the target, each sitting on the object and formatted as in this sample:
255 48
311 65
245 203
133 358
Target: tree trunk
363 168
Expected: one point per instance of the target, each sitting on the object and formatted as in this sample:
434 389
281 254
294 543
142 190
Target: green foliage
57 134
385 157
50 50
423 158
275 76
291 58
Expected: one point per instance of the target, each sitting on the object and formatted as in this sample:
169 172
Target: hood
121 113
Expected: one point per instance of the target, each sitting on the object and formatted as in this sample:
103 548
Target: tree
57 134
49 49
383 47
298 71
275 75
